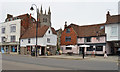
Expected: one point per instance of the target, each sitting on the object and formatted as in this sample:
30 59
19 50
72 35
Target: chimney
107 16
65 24
9 16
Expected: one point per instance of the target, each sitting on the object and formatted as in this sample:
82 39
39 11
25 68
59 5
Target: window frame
11 37
99 49
12 29
67 30
68 38
88 39
48 40
68 48
3 31
29 40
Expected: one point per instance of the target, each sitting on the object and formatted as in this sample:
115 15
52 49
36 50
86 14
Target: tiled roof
31 32
89 30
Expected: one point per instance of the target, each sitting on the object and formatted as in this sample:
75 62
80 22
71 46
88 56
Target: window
48 40
90 48
29 40
3 30
99 48
67 39
49 32
44 19
67 30
88 39
68 48
3 39
12 28
13 38
114 31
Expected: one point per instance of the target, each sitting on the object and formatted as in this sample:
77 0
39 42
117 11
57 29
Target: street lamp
36 24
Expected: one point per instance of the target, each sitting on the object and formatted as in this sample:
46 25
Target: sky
80 12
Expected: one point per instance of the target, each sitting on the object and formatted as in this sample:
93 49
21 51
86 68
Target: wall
73 37
7 29
74 49
102 39
108 29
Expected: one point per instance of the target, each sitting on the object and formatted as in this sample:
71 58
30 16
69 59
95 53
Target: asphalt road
18 62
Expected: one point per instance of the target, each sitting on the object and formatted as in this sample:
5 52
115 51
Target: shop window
90 48
99 48
68 30
68 38
68 48
13 48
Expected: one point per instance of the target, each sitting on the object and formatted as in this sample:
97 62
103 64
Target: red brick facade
72 34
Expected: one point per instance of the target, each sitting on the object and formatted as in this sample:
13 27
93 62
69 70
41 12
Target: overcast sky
73 11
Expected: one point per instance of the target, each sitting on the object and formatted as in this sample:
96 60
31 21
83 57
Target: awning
70 46
84 45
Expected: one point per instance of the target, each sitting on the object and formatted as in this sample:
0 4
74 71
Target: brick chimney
107 16
9 16
65 24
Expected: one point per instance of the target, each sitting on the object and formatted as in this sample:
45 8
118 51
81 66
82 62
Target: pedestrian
39 52
93 53
105 55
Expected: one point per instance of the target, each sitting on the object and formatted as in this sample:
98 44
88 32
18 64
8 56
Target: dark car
118 51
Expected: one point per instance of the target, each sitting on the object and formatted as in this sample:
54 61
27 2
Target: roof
88 30
31 32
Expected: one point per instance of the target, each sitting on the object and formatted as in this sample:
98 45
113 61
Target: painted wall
7 26
74 49
112 31
42 41
102 39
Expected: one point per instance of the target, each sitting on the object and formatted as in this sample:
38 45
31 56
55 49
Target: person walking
105 55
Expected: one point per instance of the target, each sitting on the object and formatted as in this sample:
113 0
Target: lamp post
36 24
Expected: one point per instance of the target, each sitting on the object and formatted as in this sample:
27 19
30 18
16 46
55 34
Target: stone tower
45 18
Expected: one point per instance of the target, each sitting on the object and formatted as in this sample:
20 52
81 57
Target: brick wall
73 37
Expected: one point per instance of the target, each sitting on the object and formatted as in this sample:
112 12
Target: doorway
42 50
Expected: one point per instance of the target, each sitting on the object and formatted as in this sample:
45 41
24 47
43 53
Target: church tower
45 18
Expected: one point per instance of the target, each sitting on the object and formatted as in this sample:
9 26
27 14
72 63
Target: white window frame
12 30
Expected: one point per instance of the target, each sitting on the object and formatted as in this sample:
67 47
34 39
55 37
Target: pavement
79 57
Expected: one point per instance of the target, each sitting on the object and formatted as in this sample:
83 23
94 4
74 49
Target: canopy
84 45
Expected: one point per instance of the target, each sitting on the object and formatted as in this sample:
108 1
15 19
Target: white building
9 36
11 31
46 40
112 30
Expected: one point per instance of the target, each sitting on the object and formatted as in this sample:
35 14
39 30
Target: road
18 62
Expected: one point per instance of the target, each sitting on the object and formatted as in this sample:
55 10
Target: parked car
118 51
